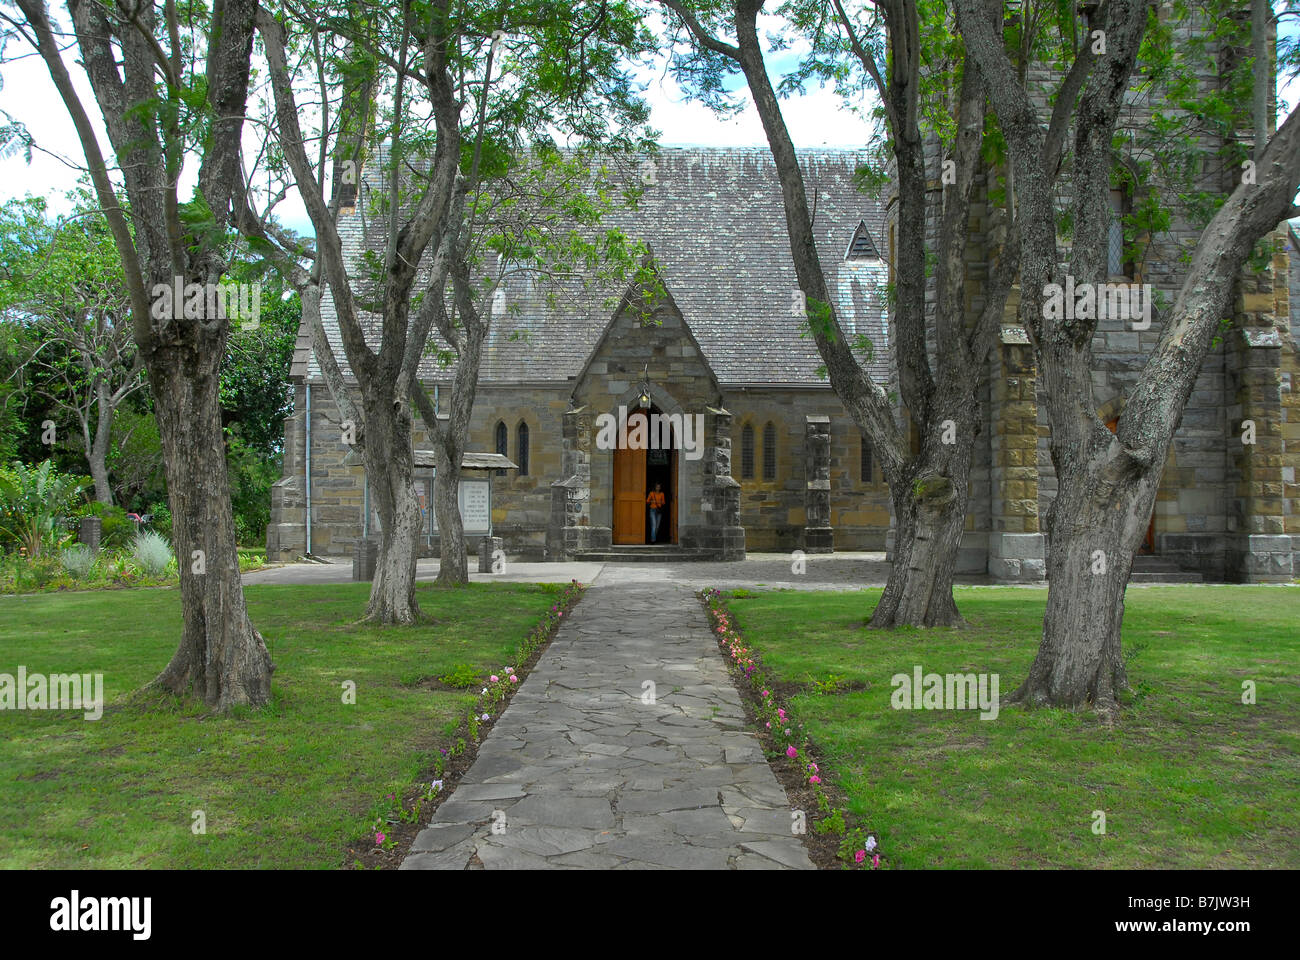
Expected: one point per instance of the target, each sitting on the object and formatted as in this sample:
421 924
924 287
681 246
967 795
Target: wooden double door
635 474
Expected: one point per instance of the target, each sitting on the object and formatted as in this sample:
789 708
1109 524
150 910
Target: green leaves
31 501
203 230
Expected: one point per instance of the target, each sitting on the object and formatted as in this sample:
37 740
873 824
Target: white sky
817 119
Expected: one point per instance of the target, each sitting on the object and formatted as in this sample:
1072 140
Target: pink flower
791 752
513 678
379 839
814 768
769 724
781 713
510 669
860 856
493 678
814 779
875 862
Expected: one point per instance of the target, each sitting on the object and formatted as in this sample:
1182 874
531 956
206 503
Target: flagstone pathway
585 770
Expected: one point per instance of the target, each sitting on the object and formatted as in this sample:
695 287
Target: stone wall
521 504
337 484
773 512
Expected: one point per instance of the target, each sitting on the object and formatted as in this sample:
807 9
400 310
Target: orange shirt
656 500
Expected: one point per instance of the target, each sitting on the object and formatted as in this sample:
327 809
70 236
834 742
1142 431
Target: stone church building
764 457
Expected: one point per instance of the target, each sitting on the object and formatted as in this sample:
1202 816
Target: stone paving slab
579 773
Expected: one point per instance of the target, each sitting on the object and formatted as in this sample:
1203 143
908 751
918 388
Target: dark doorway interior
659 469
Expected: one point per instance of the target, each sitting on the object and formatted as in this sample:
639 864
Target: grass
1189 776
288 786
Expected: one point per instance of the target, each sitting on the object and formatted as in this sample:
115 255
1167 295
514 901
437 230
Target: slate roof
714 221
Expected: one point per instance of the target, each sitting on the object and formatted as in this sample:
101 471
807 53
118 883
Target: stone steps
645 553
1152 569
1182 576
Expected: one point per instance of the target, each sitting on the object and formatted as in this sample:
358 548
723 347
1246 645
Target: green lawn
1189 777
288 786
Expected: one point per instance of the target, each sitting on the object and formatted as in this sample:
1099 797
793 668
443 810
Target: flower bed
109 569
396 821
785 741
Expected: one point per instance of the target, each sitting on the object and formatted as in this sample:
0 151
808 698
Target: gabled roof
716 223
633 302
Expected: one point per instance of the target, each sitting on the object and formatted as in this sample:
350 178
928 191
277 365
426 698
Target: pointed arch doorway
636 471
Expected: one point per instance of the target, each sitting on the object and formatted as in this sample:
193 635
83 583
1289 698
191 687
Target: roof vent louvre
862 247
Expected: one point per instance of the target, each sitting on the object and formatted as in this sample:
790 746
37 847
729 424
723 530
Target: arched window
866 465
503 441
522 448
769 451
747 453
1120 254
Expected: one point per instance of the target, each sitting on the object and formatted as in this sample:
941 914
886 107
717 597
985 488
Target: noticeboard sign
474 498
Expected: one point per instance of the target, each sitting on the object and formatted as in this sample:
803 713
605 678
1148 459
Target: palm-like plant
31 500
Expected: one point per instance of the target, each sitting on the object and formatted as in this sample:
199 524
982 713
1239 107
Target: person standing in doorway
655 499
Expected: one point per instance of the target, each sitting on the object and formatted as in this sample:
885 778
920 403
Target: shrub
245 532
120 568
115 530
250 559
32 501
462 676
161 518
152 551
251 476
22 574
77 559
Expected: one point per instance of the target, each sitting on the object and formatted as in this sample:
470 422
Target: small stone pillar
720 496
1017 549
364 559
1259 547
487 549
818 537
569 531
88 532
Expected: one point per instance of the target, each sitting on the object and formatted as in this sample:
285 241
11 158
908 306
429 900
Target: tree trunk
221 658
97 451
926 537
929 504
390 467
99 473
453 565
1093 530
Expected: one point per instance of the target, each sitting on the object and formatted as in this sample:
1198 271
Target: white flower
486 717
870 844
485 691
436 785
